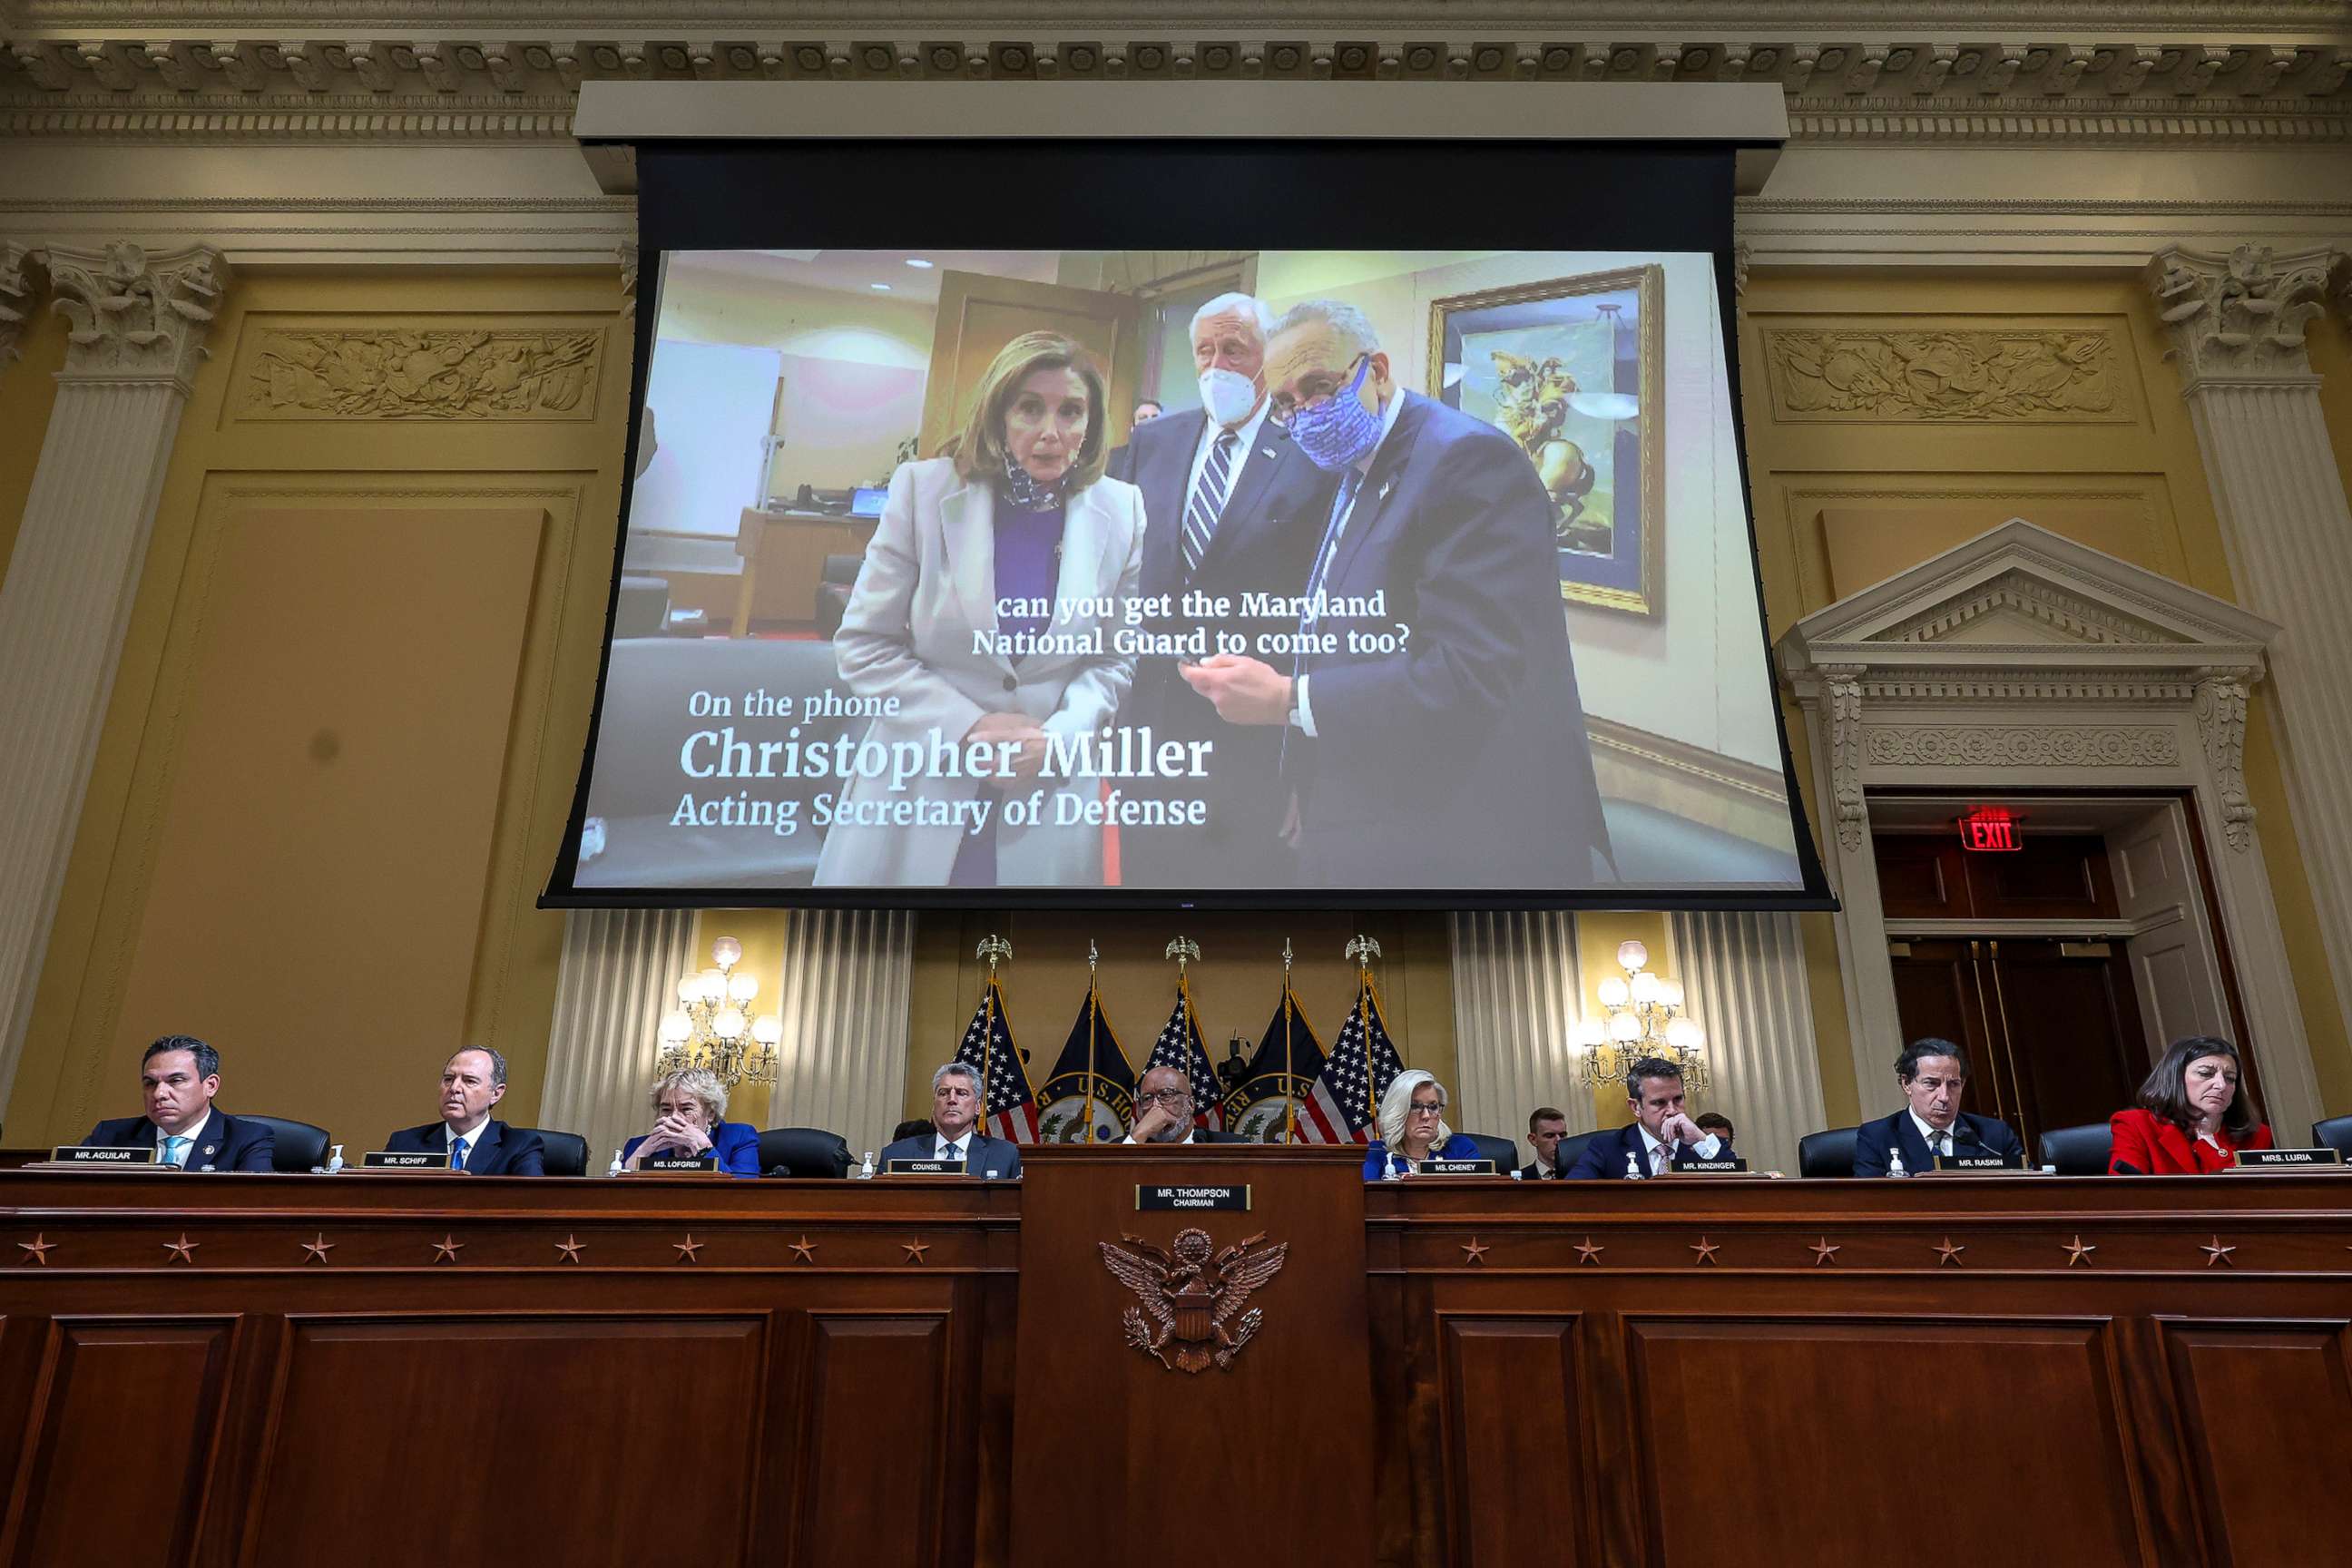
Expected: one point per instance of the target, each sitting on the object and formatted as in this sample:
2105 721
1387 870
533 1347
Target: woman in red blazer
2190 1117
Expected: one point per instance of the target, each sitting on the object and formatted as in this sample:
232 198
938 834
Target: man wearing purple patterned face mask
1433 736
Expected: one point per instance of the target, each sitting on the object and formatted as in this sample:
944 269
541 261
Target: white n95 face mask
1227 394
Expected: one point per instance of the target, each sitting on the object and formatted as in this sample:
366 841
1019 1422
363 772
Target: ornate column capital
2221 707
136 317
2240 317
17 265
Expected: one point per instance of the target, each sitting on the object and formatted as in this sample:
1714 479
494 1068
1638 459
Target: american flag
1011 1110
1179 1046
1341 1106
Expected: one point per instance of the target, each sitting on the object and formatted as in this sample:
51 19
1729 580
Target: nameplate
1732 1166
100 1154
2251 1159
682 1165
404 1160
1973 1163
922 1168
1456 1168
1236 1199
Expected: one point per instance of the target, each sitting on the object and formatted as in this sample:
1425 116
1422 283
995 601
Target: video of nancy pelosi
1282 571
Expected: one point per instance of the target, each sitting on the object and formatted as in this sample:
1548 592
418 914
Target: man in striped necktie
1231 508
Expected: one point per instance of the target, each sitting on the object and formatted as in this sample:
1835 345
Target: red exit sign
1988 828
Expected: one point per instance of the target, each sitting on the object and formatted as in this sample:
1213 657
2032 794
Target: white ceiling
855 271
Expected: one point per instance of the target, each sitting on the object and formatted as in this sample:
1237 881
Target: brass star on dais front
446 1250
181 1251
915 1249
1588 1253
37 1251
316 1251
1824 1252
2216 1253
2076 1252
1706 1250
1473 1251
570 1247
1947 1253
804 1249
689 1249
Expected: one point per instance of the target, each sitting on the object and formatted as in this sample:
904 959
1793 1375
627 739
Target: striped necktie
1208 501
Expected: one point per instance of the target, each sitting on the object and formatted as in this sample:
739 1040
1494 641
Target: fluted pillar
2236 323
1517 994
619 975
843 1062
1744 982
139 324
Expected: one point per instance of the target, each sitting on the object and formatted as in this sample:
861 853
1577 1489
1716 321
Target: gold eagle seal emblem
1191 1297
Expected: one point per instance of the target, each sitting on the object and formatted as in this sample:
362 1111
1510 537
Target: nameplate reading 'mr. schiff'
101 1154
1159 1197
684 1165
406 1160
1456 1168
2273 1159
922 1168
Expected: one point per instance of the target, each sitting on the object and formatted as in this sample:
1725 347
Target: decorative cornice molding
126 68
1951 375
424 373
2053 744
16 268
136 317
2240 317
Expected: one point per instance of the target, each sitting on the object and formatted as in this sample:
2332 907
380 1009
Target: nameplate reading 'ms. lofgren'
683 1165
1150 1196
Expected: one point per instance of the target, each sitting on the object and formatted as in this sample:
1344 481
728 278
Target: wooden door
978 315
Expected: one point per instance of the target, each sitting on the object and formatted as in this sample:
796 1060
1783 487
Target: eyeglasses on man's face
1164 1097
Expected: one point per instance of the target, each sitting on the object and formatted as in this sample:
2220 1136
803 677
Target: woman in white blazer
1019 517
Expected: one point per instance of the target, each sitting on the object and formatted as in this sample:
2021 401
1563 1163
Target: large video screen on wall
966 571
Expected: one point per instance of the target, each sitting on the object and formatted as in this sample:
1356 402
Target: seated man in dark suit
1934 1074
955 1132
1165 1108
473 1081
179 1075
1547 1125
1662 1134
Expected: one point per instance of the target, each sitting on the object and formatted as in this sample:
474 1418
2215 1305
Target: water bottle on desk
334 1159
1894 1163
1633 1168
614 1168
866 1166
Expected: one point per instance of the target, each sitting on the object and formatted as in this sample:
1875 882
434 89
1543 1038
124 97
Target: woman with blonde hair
690 1121
987 608
1413 1128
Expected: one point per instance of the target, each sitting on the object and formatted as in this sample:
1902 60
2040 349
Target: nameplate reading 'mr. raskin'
1974 1162
101 1154
1150 1197
683 1165
406 1160
1456 1168
2271 1159
922 1168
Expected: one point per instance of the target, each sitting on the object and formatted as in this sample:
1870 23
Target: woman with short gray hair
689 1111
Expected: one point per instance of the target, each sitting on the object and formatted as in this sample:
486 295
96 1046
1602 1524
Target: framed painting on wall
1573 370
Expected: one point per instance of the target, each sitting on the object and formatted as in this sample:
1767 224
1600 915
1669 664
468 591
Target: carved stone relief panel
1899 371
486 368
2023 746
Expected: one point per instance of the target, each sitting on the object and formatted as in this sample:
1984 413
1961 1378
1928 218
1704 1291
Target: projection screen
1182 523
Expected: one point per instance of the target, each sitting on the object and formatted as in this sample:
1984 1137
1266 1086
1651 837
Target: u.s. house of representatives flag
1344 1100
1289 1060
1012 1110
1091 1083
1179 1046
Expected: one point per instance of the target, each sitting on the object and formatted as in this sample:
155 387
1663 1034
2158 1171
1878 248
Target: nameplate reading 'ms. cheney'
100 1154
1236 1199
1456 1168
923 1168
406 1160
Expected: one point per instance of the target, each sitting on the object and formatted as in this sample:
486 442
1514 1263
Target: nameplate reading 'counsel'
684 1165
100 1154
1236 1199
406 1160
2273 1159
1456 1168
923 1168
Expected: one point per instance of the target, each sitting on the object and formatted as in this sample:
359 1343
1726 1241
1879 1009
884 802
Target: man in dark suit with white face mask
1232 507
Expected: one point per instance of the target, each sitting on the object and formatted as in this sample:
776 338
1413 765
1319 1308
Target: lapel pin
1386 485
1265 451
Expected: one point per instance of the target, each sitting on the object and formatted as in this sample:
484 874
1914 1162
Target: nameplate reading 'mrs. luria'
2271 1159
100 1154
1158 1197
684 1165
1456 1168
923 1168
406 1160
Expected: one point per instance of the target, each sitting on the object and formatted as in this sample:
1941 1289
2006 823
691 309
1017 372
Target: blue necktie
1208 501
457 1155
172 1147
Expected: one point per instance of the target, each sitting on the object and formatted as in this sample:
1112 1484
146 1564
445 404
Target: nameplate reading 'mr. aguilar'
2273 1159
406 1160
923 1168
1456 1168
1236 1199
100 1154
683 1165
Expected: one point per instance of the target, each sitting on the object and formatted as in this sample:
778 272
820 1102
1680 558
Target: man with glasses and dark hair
179 1075
1164 1111
1661 1135
473 1081
1934 1074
